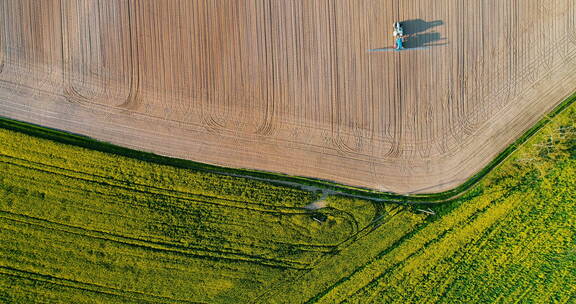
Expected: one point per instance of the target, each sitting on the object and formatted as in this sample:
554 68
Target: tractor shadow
418 34
416 26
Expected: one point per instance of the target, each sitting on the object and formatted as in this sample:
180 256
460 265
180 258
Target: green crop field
79 225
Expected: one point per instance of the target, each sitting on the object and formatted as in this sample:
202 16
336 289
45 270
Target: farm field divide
83 226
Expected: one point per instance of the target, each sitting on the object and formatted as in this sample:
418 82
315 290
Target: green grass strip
89 143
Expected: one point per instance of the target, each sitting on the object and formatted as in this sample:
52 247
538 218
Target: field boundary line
298 182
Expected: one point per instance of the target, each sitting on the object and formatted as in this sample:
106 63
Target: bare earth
289 85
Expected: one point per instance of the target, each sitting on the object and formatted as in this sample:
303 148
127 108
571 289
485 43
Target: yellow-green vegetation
85 226
77 223
512 239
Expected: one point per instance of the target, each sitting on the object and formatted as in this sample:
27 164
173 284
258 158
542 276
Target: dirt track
290 86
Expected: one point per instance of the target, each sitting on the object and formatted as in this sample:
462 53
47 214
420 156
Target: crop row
120 227
511 239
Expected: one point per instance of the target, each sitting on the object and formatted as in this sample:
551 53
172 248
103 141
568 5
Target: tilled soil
290 86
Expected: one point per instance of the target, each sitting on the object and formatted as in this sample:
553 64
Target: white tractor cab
398 36
398 30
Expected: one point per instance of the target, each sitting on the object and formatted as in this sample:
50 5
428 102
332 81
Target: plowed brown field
291 86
